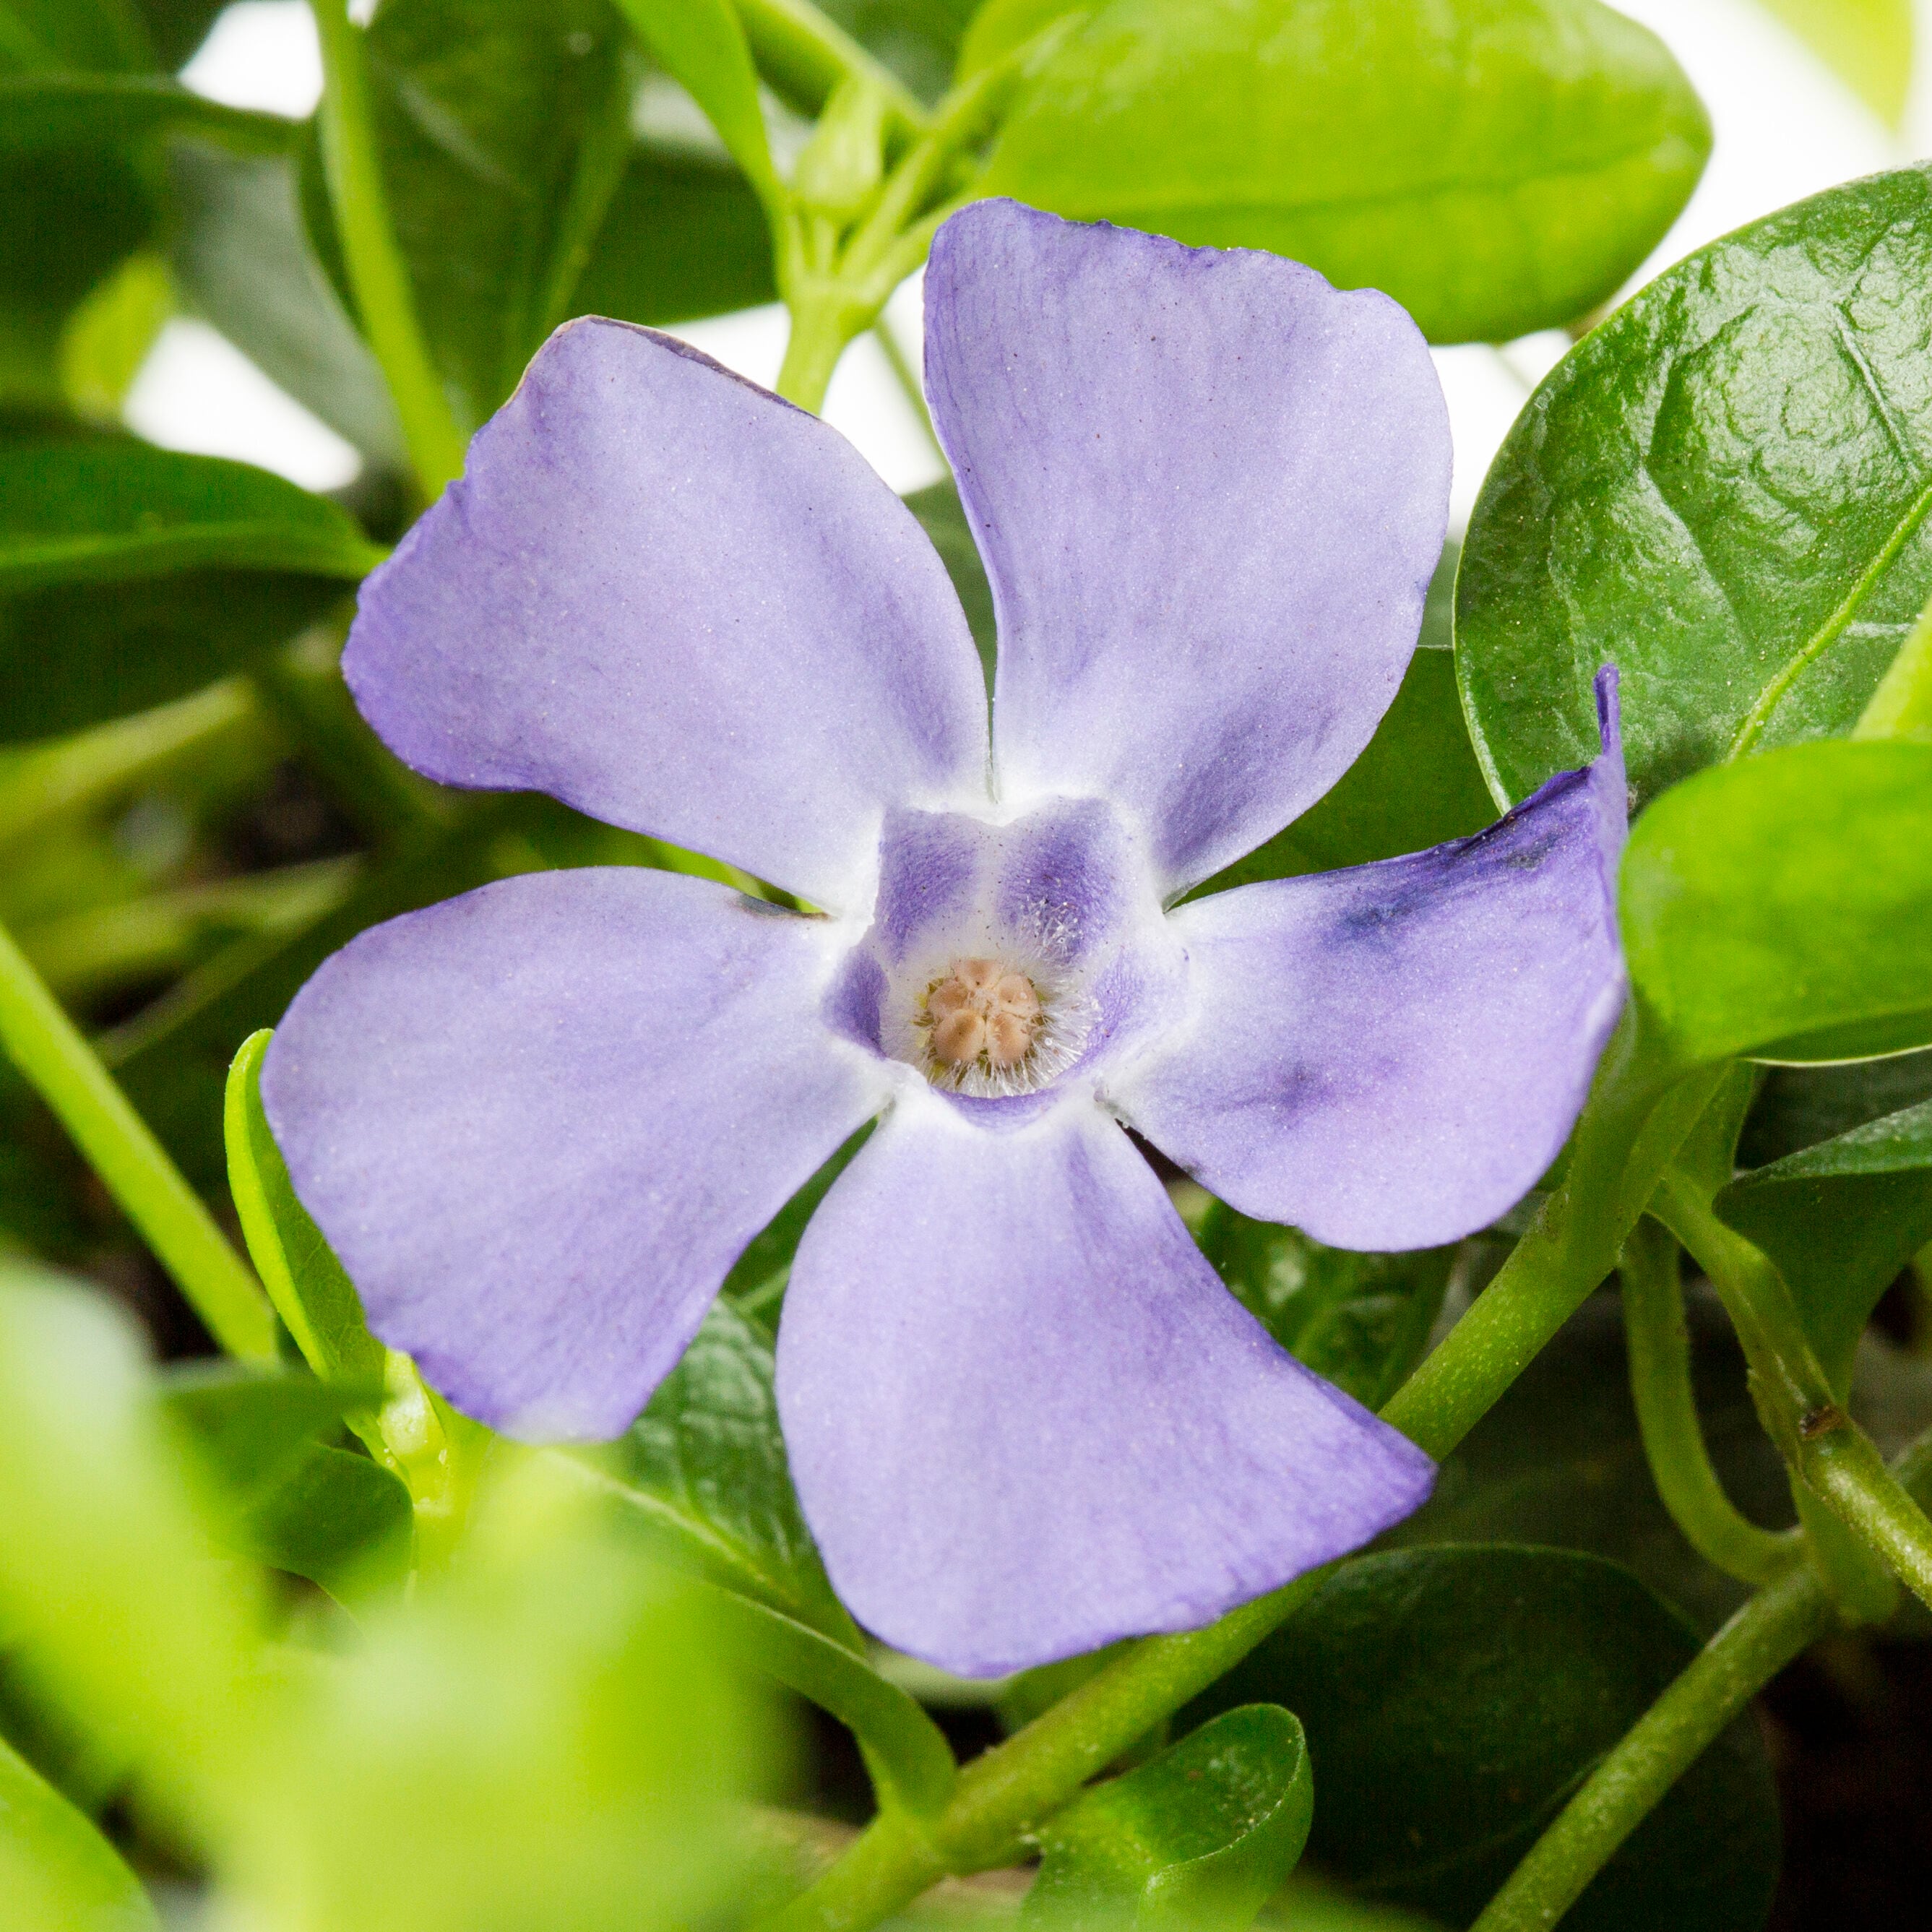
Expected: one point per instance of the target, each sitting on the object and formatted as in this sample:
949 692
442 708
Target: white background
1785 127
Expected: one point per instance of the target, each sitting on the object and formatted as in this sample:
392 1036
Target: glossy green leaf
700 44
1867 42
1721 490
1841 1220
1783 907
704 1467
57 1872
130 576
315 1298
1200 1838
240 257
1315 128
503 128
1359 1320
684 237
1454 1697
907 1752
1416 785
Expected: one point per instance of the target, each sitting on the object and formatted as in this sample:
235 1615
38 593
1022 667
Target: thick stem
1666 1413
1758 1642
820 328
1633 1124
49 1050
376 272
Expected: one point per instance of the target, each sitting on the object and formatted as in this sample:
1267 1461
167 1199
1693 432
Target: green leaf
1783 907
240 257
700 44
757 1283
1200 1838
1454 1698
314 1297
1867 43
1841 1220
704 1467
685 238
103 34
126 112
1315 128
502 127
1360 1320
1799 1106
178 27
248 1425
1721 490
131 575
918 39
906 1751
57 1872
1416 784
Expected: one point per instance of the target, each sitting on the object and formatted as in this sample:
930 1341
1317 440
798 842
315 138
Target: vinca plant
1137 1192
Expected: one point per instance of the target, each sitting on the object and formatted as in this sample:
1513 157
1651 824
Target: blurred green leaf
684 237
241 258
1783 907
315 1298
1867 42
131 575
551 1737
1416 785
1721 490
126 113
1200 1838
1841 1220
905 1751
1454 1698
106 35
503 130
704 1466
248 1425
918 39
700 44
57 1872
178 27
1316 128
1359 1320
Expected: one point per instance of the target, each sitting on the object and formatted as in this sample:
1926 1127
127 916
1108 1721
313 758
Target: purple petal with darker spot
683 606
539 1123
1026 1418
1388 1057
1209 491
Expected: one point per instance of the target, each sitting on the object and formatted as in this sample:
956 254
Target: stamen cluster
981 1015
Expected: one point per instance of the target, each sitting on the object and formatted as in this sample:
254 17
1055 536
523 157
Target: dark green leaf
124 113
918 39
705 1466
1360 1320
129 575
1454 1697
1200 1838
1799 1106
906 1750
1315 128
248 1426
1416 785
1841 1220
757 1283
105 35
241 256
178 27
503 127
315 1298
55 1868
1721 490
1867 42
685 238
1783 907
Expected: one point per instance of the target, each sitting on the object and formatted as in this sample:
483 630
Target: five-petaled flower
539 1122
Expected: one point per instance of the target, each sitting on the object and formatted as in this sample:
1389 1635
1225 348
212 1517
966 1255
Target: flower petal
539 1123
1209 491
1388 1057
678 604
1025 1417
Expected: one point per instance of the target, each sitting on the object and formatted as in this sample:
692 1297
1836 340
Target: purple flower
539 1122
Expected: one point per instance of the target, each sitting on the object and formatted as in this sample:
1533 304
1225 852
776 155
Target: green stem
49 1050
375 268
1758 1642
1833 1457
1666 1413
823 322
1634 1121
805 56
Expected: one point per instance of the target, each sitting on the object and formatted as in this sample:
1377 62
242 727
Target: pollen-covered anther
981 1013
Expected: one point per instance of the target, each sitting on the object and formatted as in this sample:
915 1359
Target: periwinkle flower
539 1122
